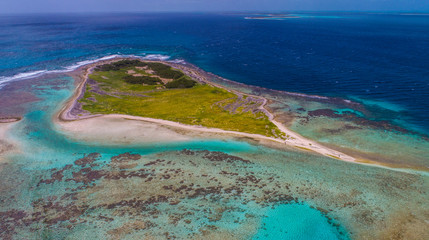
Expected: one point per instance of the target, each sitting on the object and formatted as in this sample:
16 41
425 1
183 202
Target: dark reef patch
220 156
87 159
324 113
357 121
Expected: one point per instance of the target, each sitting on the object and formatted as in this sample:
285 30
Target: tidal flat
55 185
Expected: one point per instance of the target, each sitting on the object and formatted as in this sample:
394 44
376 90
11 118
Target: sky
40 6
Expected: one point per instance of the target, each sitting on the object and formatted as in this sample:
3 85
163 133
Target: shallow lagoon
295 221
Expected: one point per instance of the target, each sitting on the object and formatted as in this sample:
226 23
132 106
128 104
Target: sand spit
10 119
70 114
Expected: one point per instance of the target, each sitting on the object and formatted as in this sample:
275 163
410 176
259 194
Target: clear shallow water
370 56
295 221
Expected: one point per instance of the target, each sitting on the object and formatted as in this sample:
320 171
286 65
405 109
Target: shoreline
293 139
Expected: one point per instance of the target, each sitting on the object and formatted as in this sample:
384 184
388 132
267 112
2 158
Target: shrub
142 80
116 66
181 83
165 71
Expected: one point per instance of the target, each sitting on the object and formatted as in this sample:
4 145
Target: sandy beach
129 129
120 129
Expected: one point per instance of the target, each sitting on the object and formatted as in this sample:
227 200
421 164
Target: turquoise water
297 222
348 111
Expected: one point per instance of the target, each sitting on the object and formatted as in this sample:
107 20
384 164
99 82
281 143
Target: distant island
272 16
177 95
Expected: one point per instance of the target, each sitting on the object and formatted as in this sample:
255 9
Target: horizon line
223 12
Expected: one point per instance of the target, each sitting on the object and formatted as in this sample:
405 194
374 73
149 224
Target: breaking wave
33 74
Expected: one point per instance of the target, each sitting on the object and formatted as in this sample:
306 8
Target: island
272 16
178 95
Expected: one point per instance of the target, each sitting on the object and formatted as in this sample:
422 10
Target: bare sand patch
166 80
134 74
113 130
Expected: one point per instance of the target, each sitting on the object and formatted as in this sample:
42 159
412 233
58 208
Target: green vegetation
165 71
142 80
182 82
180 100
116 66
178 78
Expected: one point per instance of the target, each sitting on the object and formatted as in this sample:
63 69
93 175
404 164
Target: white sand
116 130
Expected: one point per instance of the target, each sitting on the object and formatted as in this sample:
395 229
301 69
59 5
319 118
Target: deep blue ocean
379 59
